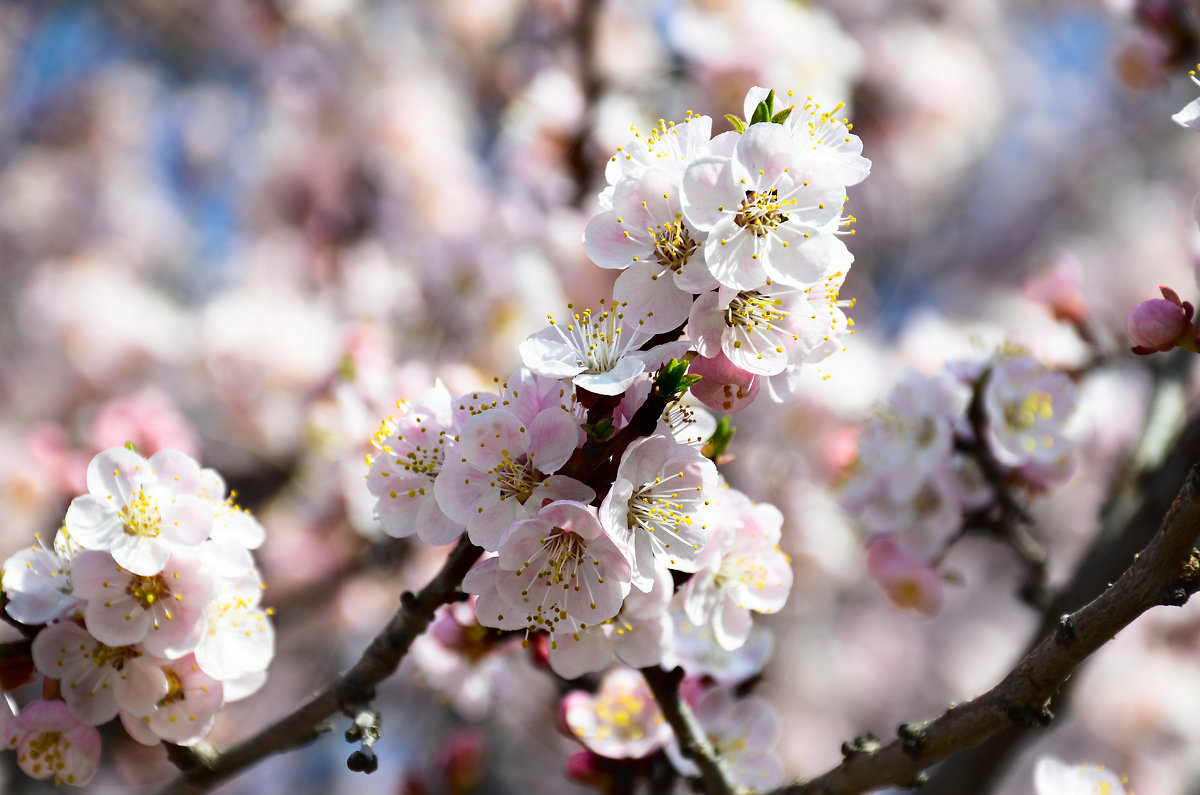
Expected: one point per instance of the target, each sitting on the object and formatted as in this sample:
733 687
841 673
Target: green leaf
673 379
781 116
765 110
737 122
715 447
129 447
599 430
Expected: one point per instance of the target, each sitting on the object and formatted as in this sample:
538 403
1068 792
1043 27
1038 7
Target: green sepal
781 116
599 430
737 122
673 379
765 110
129 446
718 443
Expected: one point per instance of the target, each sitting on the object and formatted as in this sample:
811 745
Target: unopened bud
1161 324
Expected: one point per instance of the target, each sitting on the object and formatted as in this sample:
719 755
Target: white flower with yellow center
621 721
52 743
1028 408
412 449
820 131
501 469
766 329
599 351
185 714
1052 777
742 570
96 679
138 510
768 211
658 505
164 612
557 572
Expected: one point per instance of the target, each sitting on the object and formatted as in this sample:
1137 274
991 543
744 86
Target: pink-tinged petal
553 436
762 155
546 353
732 256
462 490
119 621
561 487
485 437
243 685
650 292
117 471
804 261
759 351
645 642
572 657
138 729
709 192
140 554
186 520
613 244
706 324
731 625
46 731
611 382
434 527
93 521
754 96
177 471
141 685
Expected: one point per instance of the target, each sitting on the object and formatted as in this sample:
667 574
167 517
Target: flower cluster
148 604
943 455
737 235
588 476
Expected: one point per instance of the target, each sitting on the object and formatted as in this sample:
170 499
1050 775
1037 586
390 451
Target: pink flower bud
461 761
723 385
589 769
1160 324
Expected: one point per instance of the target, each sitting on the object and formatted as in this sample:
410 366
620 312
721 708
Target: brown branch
1166 572
346 694
692 741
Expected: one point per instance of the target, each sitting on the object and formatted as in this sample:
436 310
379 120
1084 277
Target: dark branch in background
1166 572
1140 491
591 85
348 694
692 741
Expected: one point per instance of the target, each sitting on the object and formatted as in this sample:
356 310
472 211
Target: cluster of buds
146 607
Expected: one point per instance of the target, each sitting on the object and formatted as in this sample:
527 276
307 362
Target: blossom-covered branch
349 692
1167 572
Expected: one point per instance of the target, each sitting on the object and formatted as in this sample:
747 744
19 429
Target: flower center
1021 416
760 212
48 748
147 590
752 310
515 477
113 656
673 244
140 515
175 692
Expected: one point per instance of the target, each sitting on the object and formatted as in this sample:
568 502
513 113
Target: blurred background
244 228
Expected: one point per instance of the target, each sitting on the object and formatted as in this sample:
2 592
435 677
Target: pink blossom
908 582
50 741
621 721
723 386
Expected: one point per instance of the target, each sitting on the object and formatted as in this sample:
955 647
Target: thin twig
692 742
348 692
